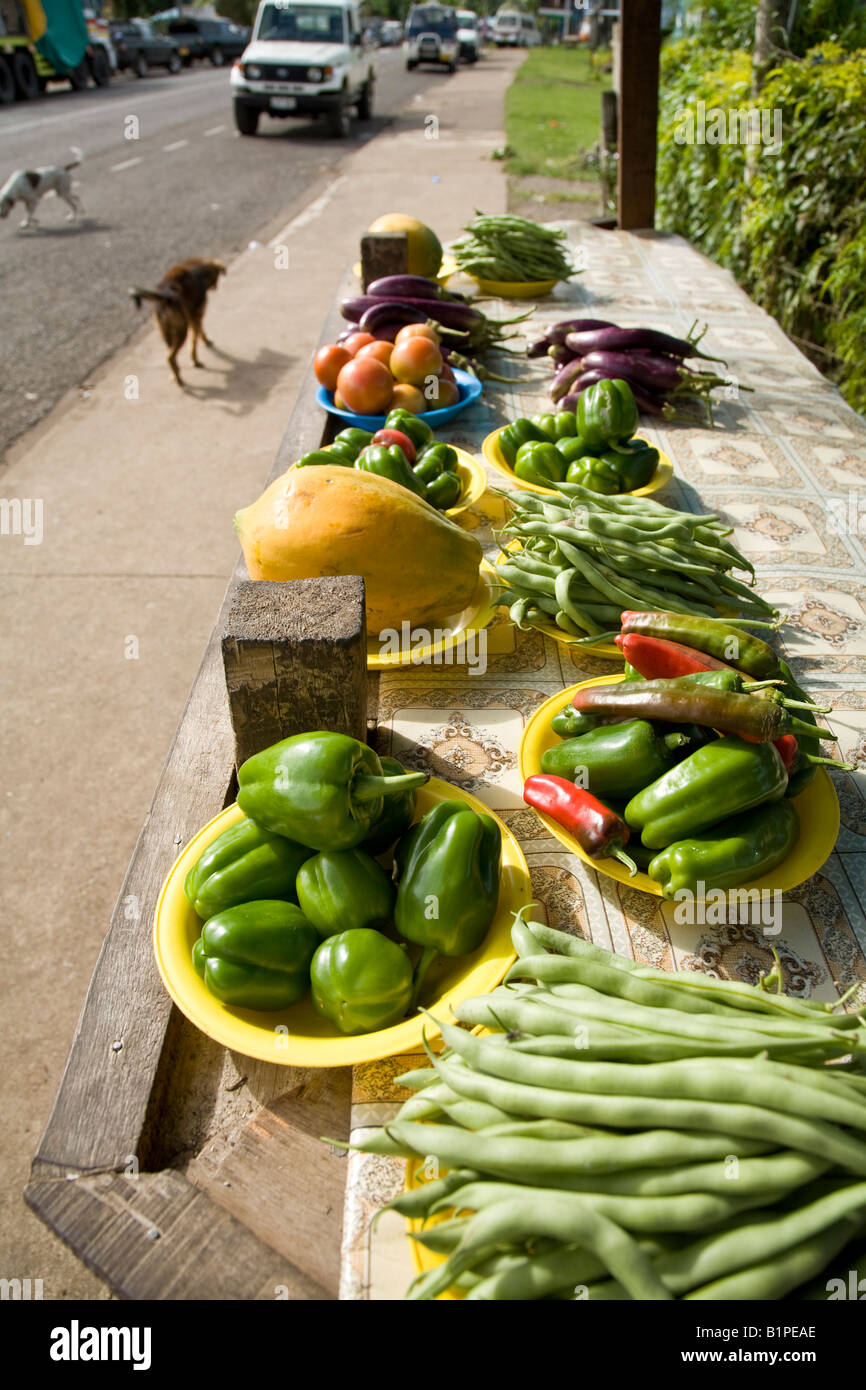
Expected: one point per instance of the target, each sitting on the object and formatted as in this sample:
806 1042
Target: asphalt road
185 185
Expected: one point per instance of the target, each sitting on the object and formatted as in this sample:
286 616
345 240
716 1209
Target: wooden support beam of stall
640 41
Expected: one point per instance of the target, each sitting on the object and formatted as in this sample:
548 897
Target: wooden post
295 658
640 40
383 253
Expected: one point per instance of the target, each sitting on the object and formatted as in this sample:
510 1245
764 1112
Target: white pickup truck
305 58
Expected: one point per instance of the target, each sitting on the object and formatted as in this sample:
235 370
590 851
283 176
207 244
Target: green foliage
788 222
553 113
731 24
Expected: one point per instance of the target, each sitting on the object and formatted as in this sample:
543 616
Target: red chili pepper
597 829
657 658
787 746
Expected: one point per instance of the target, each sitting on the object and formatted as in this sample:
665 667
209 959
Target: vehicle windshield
467 19
433 21
301 23
507 21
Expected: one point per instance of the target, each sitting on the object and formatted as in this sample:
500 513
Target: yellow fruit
416 564
425 249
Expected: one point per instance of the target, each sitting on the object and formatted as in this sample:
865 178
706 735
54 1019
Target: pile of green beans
511 249
621 1132
582 558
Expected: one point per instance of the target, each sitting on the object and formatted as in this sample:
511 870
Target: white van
513 29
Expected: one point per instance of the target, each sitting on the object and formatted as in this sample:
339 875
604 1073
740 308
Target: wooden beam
383 253
640 41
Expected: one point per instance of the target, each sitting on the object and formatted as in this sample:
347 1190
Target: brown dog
181 299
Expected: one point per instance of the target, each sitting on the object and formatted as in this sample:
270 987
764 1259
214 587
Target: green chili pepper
616 760
711 635
606 412
389 461
521 431
396 817
412 426
322 789
716 781
568 723
257 955
243 863
444 491
736 851
539 462
361 981
343 889
448 887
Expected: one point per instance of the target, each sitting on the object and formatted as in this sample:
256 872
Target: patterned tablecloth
786 465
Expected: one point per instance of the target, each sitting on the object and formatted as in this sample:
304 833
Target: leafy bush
788 221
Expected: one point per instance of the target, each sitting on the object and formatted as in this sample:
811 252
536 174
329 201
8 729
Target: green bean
849 1268
534 1277
543 1215
417 1079
416 1201
777 1276
444 1236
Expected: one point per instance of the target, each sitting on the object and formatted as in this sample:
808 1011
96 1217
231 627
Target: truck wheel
339 124
140 67
410 67
24 75
174 63
100 70
7 83
365 105
246 119
217 57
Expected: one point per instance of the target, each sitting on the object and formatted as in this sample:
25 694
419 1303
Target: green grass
553 113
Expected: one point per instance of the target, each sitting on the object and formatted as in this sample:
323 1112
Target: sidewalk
106 619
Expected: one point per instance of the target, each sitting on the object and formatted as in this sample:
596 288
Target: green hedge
789 222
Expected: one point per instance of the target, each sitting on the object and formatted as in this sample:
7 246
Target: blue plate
468 385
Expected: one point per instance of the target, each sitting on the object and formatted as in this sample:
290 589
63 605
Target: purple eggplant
648 369
565 378
559 332
389 312
404 287
619 339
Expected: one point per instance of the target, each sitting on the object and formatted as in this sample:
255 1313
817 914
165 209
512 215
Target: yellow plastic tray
817 808
515 289
300 1036
478 615
494 455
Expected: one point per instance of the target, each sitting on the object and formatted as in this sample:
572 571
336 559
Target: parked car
215 39
513 29
468 36
392 34
305 58
431 36
139 48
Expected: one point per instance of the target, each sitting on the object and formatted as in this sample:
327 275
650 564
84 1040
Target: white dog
29 185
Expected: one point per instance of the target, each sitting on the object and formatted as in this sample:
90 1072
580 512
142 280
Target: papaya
425 248
417 565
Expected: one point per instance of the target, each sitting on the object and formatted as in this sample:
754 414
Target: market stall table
201 1174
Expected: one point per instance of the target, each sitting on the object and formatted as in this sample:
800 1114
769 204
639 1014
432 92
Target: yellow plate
300 1036
549 629
452 631
494 455
446 269
473 479
515 289
817 808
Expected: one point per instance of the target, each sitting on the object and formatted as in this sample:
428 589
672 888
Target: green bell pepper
389 461
595 474
397 815
322 789
565 425
352 439
444 456
575 447
414 428
636 468
344 889
361 981
616 760
448 884
243 863
540 463
570 723
257 955
606 412
547 424
715 782
324 458
444 491
521 431
736 851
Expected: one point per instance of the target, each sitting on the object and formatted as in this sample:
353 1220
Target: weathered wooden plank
156 1236
640 39
295 658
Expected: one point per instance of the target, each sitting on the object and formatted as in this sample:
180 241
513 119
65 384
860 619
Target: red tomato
327 363
415 359
356 341
396 437
381 351
366 386
417 330
446 373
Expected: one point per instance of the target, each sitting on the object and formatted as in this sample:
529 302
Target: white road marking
215 130
310 212
98 112
126 164
177 145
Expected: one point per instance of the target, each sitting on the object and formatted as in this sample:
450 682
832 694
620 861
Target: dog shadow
243 384
86 224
